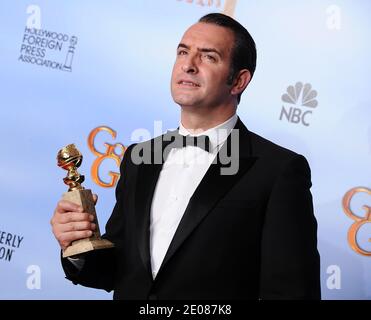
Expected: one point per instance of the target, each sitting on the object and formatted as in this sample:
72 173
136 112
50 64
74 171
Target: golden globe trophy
70 158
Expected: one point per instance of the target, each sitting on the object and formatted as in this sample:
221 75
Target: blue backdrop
69 67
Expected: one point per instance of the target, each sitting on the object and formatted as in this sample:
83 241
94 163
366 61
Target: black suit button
152 297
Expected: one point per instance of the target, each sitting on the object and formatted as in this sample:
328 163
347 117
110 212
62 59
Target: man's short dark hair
244 49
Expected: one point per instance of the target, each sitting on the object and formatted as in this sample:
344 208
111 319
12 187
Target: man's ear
241 81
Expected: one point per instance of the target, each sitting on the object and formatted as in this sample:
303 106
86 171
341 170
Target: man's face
202 66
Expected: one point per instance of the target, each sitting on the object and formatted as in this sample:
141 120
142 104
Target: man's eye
210 57
181 53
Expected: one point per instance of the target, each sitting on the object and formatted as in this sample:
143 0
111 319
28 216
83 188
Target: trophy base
84 198
85 245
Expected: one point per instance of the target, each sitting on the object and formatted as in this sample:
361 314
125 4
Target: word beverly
10 240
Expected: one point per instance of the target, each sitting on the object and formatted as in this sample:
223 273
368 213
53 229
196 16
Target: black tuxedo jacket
252 235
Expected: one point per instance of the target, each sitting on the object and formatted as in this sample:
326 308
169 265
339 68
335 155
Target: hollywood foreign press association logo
300 102
43 47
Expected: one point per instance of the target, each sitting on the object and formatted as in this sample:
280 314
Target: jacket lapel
212 188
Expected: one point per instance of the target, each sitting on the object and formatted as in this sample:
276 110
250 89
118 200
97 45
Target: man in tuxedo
211 210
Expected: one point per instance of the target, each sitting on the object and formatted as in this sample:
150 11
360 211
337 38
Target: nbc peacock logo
300 102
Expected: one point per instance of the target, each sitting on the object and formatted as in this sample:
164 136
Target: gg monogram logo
359 221
110 153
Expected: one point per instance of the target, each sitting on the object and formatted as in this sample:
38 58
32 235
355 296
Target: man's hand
70 223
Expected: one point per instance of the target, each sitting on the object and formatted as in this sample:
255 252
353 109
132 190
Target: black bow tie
180 141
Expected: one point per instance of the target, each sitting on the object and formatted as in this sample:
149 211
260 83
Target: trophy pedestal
85 245
84 198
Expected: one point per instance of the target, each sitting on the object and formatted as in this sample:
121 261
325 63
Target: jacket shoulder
265 148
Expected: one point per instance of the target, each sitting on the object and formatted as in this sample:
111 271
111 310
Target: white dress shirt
182 172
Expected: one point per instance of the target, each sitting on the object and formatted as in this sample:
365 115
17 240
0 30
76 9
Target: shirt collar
217 135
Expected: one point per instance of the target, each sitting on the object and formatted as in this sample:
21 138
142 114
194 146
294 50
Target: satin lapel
211 189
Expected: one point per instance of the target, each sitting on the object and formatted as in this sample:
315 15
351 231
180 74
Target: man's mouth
188 83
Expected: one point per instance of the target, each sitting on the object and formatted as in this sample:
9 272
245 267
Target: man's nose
190 65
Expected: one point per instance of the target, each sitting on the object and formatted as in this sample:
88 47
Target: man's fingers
77 226
74 217
71 223
66 238
68 206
